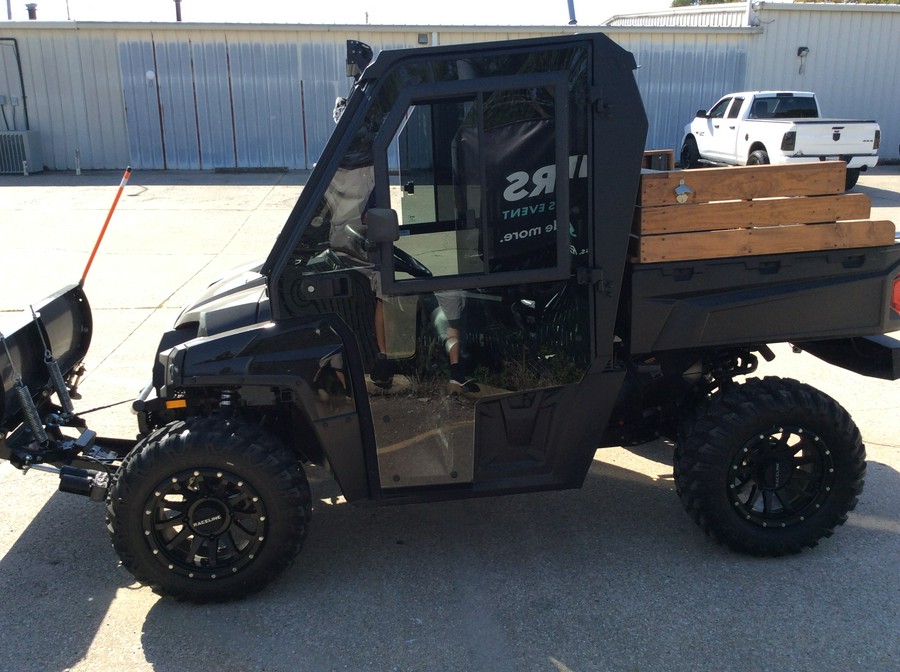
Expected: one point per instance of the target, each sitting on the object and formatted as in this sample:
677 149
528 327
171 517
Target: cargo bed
757 254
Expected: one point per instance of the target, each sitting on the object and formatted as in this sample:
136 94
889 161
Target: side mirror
382 225
701 113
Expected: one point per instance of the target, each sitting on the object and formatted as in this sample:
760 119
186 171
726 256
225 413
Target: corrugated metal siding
142 104
11 118
679 73
175 84
265 82
236 96
73 95
853 63
212 95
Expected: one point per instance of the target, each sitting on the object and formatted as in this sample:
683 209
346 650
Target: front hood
236 300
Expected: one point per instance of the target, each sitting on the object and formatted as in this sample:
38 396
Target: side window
735 108
438 208
718 112
477 193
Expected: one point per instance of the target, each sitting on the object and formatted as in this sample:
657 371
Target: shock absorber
56 377
228 400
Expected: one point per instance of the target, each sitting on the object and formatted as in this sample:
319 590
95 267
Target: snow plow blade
60 328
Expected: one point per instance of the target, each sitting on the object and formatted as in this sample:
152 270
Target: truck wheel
770 467
852 178
760 157
690 154
208 510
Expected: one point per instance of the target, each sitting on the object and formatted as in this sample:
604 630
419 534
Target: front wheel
690 153
759 157
208 510
770 467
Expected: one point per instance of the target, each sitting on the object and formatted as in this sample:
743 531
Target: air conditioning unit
19 147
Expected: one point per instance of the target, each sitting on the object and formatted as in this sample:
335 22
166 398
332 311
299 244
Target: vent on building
20 152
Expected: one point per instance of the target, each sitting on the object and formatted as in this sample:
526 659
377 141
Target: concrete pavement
611 577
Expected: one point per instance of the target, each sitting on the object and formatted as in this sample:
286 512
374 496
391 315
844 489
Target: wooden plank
743 182
761 212
769 240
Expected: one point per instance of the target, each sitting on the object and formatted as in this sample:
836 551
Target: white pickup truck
759 127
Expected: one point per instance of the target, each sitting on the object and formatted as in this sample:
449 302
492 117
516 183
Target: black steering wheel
406 263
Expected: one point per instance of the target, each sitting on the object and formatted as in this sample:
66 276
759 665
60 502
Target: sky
381 12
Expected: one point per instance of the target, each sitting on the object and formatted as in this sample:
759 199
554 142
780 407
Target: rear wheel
759 157
208 509
852 178
770 467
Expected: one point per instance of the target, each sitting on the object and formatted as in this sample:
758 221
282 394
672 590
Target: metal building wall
204 100
853 64
192 96
72 92
260 96
680 72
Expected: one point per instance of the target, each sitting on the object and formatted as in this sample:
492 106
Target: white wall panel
681 72
853 64
73 95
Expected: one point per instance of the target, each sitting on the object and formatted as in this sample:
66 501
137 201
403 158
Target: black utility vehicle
452 311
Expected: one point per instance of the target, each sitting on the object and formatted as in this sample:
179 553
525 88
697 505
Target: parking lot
613 576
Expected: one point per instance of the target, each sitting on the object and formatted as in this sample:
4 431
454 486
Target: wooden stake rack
710 213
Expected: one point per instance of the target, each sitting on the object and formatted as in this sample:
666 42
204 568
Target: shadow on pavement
614 576
889 197
57 582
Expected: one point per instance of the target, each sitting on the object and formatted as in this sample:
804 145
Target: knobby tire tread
243 447
712 435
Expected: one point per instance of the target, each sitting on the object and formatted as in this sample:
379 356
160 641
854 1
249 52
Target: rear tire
852 178
760 157
208 510
770 467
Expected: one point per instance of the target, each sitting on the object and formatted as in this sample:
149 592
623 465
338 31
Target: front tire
770 467
208 510
690 153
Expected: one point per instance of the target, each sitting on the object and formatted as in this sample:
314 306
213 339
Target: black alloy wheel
780 475
204 523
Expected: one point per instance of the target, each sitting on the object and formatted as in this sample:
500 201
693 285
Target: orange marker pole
106 224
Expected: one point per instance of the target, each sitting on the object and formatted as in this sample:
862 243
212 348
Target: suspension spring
59 385
32 418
